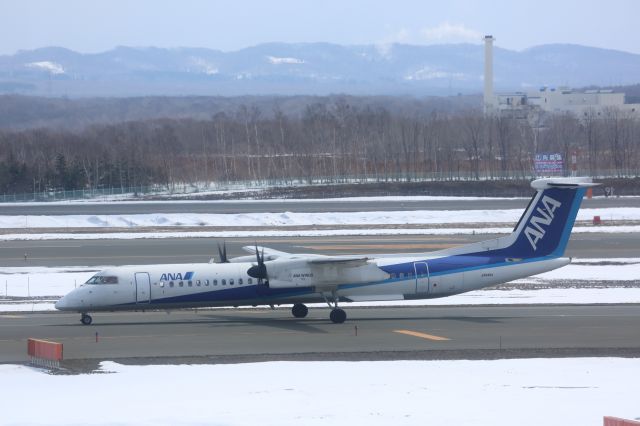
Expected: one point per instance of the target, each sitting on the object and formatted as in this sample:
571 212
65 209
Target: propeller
222 251
259 271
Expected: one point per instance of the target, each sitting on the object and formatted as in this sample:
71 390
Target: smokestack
488 72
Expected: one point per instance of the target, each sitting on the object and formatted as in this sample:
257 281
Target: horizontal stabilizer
563 182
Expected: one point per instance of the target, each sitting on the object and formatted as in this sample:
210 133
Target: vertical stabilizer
545 226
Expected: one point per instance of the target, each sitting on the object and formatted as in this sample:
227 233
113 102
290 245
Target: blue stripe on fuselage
249 292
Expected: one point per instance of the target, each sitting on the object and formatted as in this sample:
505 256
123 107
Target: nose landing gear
86 319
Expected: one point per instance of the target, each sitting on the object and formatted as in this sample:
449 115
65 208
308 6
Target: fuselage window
239 281
215 282
181 283
249 280
206 282
190 283
198 283
224 282
161 283
170 283
230 281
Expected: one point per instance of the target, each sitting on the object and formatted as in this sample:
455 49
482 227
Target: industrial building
588 103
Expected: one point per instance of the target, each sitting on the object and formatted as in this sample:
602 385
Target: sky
97 25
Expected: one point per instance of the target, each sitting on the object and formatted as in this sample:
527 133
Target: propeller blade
222 251
258 271
259 259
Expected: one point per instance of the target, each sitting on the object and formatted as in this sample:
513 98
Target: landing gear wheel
337 316
299 310
86 319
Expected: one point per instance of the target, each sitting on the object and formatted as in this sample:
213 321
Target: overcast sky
99 25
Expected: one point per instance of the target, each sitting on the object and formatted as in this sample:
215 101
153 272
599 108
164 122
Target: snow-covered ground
289 224
583 281
296 233
570 391
288 219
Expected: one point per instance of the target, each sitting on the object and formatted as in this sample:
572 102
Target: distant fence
195 188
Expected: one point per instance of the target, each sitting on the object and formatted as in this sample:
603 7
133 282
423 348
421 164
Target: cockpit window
102 279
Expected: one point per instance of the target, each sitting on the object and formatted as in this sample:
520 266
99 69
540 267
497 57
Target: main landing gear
299 310
86 319
337 315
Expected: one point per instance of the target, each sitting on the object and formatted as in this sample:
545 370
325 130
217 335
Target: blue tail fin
545 226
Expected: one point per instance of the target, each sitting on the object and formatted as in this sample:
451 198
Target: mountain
309 69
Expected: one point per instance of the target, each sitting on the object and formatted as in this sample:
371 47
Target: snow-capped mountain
309 68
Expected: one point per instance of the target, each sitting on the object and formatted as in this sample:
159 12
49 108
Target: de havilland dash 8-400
269 277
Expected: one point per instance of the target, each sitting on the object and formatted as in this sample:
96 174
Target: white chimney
488 72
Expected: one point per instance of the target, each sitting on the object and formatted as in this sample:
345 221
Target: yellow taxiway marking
421 335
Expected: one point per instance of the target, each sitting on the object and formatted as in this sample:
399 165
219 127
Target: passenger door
143 287
422 277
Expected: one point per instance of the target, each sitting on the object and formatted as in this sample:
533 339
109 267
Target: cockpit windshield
102 279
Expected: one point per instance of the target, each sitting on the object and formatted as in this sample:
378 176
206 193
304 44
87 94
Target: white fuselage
209 284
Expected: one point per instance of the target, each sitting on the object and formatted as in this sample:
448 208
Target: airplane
271 277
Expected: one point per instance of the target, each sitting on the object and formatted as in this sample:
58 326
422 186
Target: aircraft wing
269 253
344 262
290 270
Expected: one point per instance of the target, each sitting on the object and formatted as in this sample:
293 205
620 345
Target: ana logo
176 277
534 230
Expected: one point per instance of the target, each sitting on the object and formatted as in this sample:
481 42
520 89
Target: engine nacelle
287 284
307 275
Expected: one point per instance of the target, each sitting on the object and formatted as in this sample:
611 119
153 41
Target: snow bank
296 233
574 391
288 219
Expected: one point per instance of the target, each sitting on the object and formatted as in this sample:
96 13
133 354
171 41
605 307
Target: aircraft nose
67 303
61 304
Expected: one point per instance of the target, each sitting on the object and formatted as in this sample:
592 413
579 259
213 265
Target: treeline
27 112
327 141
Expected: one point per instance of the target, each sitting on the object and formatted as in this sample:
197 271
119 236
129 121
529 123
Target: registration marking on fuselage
421 335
